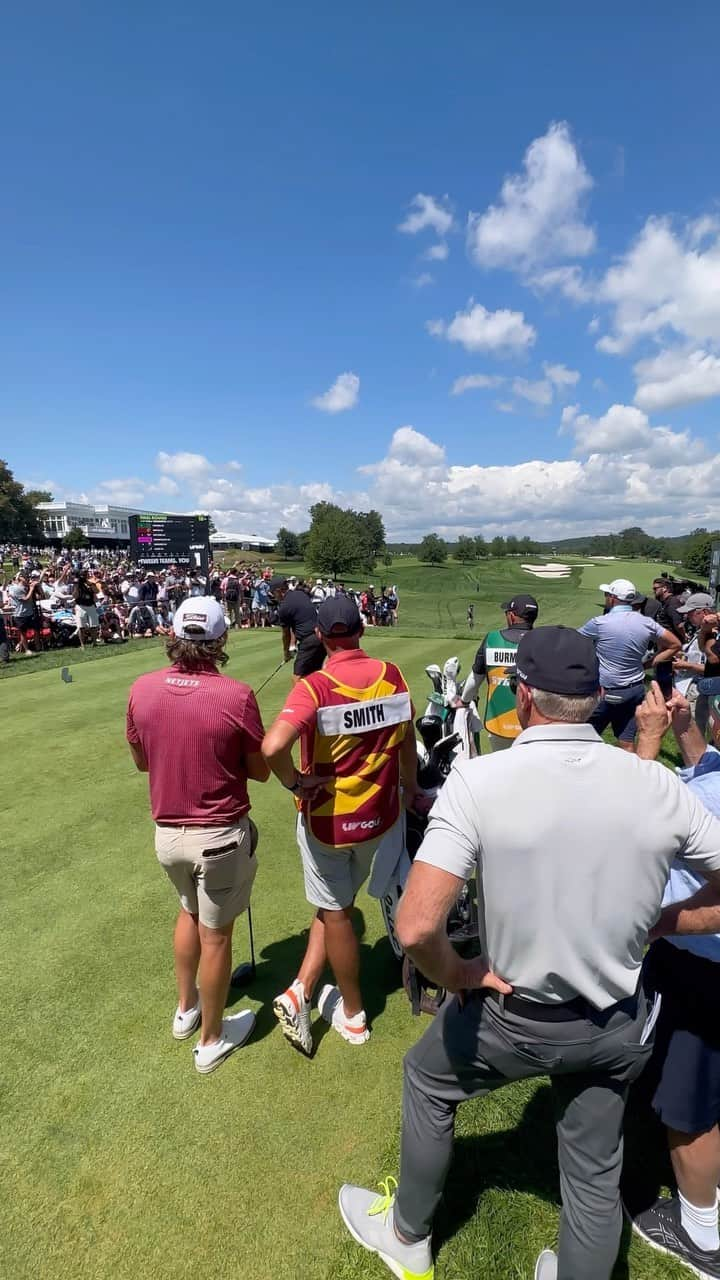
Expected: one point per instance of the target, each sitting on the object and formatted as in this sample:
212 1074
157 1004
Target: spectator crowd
74 598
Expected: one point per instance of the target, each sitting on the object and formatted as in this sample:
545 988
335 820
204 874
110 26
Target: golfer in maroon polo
198 734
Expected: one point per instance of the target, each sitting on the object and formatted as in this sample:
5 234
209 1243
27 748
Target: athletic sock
701 1224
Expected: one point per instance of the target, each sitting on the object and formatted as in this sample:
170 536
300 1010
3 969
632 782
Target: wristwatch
296 786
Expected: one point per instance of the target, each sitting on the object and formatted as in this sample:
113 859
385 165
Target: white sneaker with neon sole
292 1010
236 1030
185 1023
369 1219
330 1004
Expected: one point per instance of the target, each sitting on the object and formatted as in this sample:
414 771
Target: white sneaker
184 1024
332 1009
292 1010
235 1031
546 1266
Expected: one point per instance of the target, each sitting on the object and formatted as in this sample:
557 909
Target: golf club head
430 729
243 975
435 674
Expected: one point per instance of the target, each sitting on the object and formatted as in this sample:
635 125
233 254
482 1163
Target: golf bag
448 729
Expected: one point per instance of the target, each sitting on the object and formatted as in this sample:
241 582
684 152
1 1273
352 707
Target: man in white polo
572 884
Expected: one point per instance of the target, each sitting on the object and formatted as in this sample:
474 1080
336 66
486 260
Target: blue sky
250 252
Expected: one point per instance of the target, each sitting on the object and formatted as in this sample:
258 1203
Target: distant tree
497 547
19 518
302 543
211 527
527 547
698 554
432 549
480 546
338 541
465 549
511 545
387 559
75 538
372 532
287 544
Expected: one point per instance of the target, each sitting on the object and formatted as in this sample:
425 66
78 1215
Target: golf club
245 973
272 673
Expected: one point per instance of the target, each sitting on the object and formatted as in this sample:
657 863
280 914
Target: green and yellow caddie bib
500 713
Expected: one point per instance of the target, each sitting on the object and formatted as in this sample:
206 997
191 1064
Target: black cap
339 612
523 606
559 660
278 582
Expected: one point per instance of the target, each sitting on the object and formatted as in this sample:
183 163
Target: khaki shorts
212 868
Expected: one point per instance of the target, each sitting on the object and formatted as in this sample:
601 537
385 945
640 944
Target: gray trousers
470 1051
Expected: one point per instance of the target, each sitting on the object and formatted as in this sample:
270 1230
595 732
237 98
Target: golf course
119 1161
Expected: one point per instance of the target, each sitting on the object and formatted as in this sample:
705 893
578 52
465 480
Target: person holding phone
622 638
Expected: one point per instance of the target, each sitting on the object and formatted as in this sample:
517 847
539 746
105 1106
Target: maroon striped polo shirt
195 728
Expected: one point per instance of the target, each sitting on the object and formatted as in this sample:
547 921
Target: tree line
339 542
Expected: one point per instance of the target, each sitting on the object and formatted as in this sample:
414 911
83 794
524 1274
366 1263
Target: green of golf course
118 1159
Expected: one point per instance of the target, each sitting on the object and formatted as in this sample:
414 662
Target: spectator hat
199 618
698 600
339 616
623 588
278 583
524 606
558 660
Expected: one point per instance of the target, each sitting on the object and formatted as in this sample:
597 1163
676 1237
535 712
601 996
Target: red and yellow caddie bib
356 745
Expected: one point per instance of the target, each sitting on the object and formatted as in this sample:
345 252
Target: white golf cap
623 588
199 618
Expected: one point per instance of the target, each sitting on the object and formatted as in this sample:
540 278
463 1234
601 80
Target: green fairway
118 1159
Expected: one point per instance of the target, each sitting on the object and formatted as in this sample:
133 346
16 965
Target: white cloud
502 332
599 385
594 325
676 377
569 414
437 252
183 466
423 280
475 382
607 490
539 393
428 212
624 429
539 216
667 282
165 485
561 376
505 406
343 394
567 280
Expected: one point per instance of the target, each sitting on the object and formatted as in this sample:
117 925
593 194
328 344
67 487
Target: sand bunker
547 570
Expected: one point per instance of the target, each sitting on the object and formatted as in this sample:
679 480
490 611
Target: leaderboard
157 541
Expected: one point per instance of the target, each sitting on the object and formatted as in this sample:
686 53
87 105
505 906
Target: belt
567 1011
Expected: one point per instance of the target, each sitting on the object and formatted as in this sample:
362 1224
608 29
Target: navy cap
524 606
339 616
278 583
559 660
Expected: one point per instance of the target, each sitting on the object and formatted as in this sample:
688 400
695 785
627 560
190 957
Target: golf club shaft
252 939
272 673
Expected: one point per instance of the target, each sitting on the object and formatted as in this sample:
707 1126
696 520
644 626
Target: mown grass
118 1160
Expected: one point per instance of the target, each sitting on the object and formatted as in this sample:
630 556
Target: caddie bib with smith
500 711
356 744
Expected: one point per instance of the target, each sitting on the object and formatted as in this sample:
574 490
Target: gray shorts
212 868
334 876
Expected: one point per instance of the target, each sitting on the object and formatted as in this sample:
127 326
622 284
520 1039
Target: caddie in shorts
354 719
495 662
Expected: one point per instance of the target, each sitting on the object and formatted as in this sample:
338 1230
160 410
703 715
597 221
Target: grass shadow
278 963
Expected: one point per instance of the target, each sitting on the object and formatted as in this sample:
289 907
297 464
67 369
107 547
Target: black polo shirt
298 613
